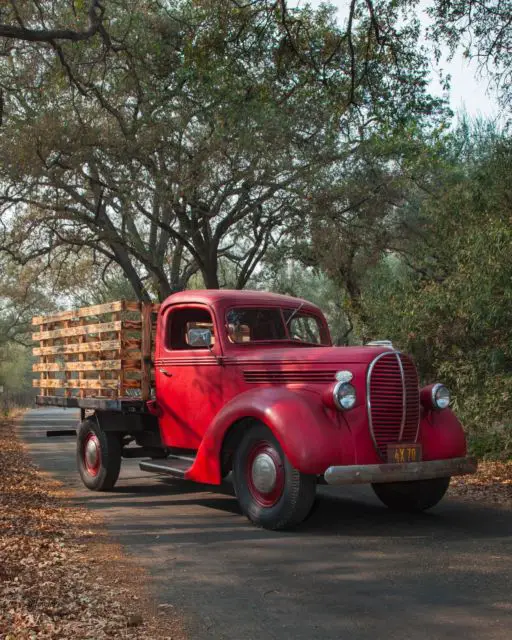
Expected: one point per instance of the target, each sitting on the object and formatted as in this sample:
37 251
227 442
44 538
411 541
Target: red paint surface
203 393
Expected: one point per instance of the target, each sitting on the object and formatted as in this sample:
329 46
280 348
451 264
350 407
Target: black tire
285 506
417 495
103 474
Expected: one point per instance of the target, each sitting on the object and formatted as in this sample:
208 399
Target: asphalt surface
353 570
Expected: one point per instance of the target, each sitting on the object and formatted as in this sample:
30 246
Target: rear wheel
98 456
417 495
271 493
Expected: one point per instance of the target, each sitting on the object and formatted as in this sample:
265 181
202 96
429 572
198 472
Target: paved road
353 571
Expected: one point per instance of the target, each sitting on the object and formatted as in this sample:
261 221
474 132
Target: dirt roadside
491 484
60 574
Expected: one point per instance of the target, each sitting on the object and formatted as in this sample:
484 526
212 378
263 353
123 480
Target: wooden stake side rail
93 365
88 312
84 347
102 352
88 329
76 383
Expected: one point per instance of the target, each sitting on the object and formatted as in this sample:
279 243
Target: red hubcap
265 474
92 454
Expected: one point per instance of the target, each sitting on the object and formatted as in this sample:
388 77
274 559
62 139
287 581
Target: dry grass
49 587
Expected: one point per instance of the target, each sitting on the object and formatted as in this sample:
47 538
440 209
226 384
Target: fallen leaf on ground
492 483
49 587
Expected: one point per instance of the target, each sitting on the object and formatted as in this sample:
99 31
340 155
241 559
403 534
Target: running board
172 466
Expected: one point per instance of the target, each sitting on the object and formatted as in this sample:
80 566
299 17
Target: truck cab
248 384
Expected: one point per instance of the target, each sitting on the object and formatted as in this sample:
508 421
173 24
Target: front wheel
271 493
98 456
417 495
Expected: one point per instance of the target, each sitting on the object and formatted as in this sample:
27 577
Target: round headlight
440 397
344 395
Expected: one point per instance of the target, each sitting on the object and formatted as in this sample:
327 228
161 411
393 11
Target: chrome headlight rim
336 395
435 402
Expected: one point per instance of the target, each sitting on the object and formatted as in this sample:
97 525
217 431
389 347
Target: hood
304 356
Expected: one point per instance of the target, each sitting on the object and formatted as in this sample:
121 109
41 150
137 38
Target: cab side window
180 321
305 329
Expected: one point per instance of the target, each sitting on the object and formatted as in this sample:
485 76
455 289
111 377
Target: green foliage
197 134
452 307
15 368
22 295
15 377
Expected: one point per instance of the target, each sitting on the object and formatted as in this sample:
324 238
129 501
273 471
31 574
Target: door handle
166 373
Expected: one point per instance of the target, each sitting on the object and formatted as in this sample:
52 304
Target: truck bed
96 357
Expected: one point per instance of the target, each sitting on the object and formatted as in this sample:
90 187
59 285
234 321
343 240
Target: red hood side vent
267 376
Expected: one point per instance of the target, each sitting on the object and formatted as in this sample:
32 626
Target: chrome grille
412 400
393 400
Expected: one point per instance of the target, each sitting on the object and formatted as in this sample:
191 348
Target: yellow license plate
399 453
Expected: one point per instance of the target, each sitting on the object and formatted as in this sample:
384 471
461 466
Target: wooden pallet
103 351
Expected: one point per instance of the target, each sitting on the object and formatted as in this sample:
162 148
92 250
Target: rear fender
308 436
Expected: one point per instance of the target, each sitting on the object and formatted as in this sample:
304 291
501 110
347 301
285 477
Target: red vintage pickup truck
248 383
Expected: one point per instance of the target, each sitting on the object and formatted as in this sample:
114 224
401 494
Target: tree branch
21 32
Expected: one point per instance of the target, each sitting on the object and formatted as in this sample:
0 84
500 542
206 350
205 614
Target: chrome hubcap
264 473
91 453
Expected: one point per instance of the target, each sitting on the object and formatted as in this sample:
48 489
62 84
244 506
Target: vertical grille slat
412 415
393 400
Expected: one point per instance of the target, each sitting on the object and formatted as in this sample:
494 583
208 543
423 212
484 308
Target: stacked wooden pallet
99 351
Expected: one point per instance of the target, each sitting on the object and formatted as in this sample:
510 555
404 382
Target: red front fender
306 430
442 436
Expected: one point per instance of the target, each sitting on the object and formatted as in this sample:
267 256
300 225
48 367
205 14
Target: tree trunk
164 289
211 279
209 270
130 272
354 292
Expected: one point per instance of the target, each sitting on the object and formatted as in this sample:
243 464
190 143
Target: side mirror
199 338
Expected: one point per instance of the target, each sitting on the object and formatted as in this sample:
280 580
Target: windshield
250 324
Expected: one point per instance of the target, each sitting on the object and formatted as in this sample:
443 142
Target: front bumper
404 472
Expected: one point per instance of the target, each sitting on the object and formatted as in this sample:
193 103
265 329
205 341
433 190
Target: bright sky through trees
469 91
